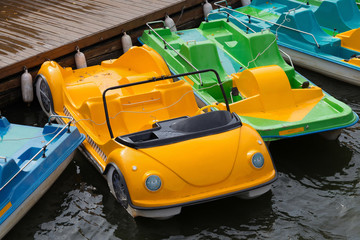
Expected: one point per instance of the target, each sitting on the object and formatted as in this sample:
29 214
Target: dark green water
316 196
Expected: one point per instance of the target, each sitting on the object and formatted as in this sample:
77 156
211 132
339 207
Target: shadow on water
73 208
19 113
295 155
226 218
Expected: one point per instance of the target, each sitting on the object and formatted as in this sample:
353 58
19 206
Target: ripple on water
316 196
81 217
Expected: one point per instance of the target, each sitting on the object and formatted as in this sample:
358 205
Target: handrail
4 158
235 18
287 55
165 42
280 25
43 149
159 79
59 116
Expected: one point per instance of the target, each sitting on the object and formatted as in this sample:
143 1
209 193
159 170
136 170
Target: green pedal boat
261 87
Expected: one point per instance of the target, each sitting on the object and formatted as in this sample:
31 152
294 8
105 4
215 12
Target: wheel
43 95
206 107
117 186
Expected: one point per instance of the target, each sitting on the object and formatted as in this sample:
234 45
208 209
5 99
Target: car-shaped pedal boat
147 136
31 159
262 88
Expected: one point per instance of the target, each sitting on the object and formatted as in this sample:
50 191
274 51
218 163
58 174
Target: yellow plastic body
226 168
191 170
268 95
350 39
354 61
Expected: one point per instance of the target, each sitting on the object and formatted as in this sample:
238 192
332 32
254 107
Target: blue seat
304 19
340 14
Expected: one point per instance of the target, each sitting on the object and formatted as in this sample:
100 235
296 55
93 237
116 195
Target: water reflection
316 196
295 155
231 217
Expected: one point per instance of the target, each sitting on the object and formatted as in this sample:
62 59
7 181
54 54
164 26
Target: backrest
304 20
260 42
270 83
137 112
344 15
78 93
166 101
203 55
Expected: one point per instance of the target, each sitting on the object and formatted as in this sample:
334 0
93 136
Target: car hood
200 161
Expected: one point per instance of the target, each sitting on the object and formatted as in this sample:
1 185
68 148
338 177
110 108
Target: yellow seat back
269 83
78 93
350 39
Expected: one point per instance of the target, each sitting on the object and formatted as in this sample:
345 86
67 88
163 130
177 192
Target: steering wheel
207 107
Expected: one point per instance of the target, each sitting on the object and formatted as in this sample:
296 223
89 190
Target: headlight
258 160
153 183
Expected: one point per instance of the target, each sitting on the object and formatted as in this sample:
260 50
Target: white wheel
43 95
117 185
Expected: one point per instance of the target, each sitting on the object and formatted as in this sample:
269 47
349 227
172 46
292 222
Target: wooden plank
42 18
73 18
36 45
110 17
125 9
16 30
43 31
97 37
104 43
16 45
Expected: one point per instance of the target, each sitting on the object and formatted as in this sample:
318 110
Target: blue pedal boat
300 35
31 159
345 14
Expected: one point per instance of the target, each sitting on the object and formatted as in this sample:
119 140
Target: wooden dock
32 31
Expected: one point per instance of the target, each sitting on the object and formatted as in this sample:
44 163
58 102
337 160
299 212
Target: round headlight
153 183
258 160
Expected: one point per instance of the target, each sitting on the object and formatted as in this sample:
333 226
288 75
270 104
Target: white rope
135 103
19 139
276 35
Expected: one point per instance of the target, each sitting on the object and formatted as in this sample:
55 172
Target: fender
52 73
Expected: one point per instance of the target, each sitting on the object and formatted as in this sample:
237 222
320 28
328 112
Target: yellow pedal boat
147 136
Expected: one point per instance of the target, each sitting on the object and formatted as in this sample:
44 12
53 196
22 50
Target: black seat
203 122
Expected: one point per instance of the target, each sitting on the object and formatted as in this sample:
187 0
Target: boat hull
16 216
323 66
267 110
168 212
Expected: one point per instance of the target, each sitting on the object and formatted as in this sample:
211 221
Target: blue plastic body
18 144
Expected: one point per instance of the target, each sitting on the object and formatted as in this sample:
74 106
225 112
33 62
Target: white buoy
245 2
170 23
126 42
80 59
207 8
27 87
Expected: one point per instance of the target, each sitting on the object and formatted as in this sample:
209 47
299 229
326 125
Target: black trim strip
164 134
205 199
159 79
